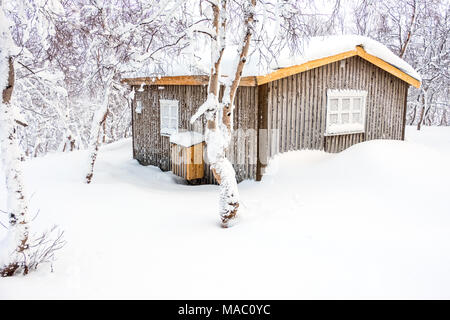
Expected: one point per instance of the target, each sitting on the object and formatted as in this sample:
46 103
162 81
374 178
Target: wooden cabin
328 103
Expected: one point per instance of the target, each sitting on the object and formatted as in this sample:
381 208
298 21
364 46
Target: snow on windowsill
187 138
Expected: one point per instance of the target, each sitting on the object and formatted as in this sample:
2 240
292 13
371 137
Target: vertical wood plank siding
293 110
297 106
151 148
187 162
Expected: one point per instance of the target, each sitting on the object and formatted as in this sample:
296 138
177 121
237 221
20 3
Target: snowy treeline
68 59
419 32
64 79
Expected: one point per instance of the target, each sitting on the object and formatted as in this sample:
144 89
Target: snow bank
187 138
371 222
257 65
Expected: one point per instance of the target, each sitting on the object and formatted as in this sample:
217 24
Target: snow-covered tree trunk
422 110
97 131
17 243
411 28
219 114
69 137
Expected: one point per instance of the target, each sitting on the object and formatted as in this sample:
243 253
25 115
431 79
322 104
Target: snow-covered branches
417 31
209 107
17 255
122 37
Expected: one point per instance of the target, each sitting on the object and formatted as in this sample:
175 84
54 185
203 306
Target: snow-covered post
219 114
17 241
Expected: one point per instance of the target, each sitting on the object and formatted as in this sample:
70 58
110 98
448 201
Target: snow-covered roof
321 47
313 49
187 138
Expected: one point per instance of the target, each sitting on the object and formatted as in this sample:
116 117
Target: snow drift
370 222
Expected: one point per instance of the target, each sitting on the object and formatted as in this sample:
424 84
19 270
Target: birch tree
20 253
219 113
17 207
119 43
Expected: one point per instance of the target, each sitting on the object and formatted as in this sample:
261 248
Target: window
138 106
346 111
168 116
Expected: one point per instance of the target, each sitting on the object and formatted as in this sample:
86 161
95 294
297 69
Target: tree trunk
220 121
216 137
410 31
443 121
413 117
96 133
419 124
69 137
422 111
17 207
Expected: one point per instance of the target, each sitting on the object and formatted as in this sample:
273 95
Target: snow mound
394 160
187 138
381 161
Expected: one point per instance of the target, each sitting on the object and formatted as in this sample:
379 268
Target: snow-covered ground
370 222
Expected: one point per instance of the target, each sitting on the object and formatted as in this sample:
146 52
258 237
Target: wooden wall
151 148
293 109
296 106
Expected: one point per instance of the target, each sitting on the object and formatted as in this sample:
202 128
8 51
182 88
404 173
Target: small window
346 111
138 106
168 116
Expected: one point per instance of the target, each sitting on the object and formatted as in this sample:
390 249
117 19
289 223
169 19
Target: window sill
168 134
343 133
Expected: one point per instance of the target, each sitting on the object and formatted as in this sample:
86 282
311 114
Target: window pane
334 104
164 110
138 106
345 118
357 104
168 116
333 118
165 122
173 123
345 111
345 104
174 110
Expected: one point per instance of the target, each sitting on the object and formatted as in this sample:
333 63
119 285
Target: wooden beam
262 143
387 67
249 81
175 80
183 81
286 72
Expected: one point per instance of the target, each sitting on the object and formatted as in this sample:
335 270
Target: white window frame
340 128
171 108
